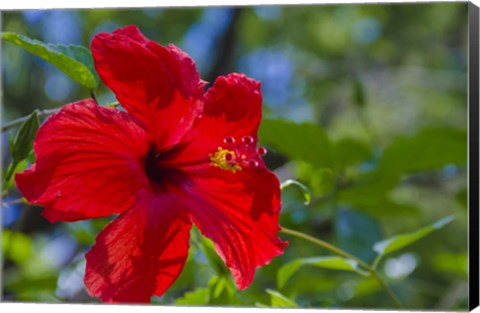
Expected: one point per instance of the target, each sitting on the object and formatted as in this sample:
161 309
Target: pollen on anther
247 139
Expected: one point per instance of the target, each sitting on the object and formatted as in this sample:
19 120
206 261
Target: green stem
19 121
376 261
344 254
41 114
387 288
325 245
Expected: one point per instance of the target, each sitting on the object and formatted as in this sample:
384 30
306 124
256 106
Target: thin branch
387 288
15 201
344 254
20 120
325 245
44 113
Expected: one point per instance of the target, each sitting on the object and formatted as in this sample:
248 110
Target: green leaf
306 142
199 296
82 231
287 271
307 194
20 167
16 246
321 180
356 232
209 250
80 54
280 301
349 151
374 199
32 287
75 61
328 262
448 262
222 291
397 242
333 263
23 141
430 149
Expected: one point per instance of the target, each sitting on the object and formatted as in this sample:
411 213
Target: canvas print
302 156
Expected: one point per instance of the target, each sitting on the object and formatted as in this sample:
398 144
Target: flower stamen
225 159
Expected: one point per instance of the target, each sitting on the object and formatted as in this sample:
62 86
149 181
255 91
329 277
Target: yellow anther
225 160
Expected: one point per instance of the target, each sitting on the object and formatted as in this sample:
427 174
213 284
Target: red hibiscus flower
177 156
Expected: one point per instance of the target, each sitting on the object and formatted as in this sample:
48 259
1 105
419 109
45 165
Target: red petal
89 163
234 101
141 253
239 213
233 108
160 86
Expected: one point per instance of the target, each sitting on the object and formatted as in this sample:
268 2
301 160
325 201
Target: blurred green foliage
365 105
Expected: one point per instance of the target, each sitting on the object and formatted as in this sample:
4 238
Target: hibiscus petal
89 163
158 85
141 253
233 109
235 101
239 213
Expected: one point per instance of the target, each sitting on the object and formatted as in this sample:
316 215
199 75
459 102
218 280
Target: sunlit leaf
448 262
209 250
32 288
199 296
80 54
400 241
16 246
222 291
280 301
261 305
287 271
328 262
75 61
366 286
321 181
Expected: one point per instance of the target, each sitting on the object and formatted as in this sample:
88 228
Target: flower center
151 167
236 155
